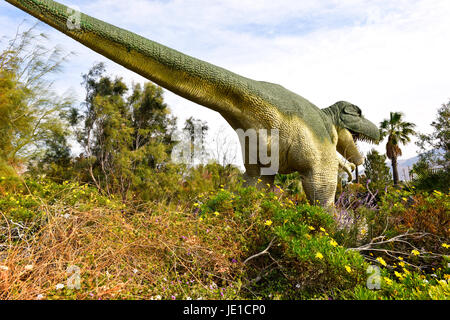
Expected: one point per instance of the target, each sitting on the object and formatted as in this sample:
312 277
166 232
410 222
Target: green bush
219 240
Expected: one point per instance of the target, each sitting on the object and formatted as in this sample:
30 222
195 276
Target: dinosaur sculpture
308 137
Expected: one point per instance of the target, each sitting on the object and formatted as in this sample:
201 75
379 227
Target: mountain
404 166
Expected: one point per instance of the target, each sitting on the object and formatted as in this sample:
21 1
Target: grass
67 241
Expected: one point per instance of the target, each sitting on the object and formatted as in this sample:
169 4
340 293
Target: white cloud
381 55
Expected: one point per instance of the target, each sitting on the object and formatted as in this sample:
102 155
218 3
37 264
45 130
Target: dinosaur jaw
361 129
346 146
357 136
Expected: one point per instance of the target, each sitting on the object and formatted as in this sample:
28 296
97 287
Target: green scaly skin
308 136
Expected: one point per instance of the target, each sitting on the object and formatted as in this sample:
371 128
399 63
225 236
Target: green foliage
432 171
30 112
407 286
376 170
122 137
217 240
290 182
196 133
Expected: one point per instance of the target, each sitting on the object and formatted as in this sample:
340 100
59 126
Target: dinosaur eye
353 110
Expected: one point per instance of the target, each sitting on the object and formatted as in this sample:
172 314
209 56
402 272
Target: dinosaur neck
193 79
332 114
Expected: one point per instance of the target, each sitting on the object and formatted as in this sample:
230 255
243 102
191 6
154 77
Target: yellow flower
443 283
259 180
388 281
400 258
333 243
319 255
268 222
268 185
216 213
308 236
381 261
311 228
322 229
415 252
398 275
196 204
446 245
349 270
401 264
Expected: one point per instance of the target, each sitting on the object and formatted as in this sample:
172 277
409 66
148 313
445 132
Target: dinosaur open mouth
357 136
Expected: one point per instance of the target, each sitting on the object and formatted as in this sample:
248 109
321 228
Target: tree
376 170
122 136
196 130
30 111
356 174
432 171
435 147
152 123
223 149
398 132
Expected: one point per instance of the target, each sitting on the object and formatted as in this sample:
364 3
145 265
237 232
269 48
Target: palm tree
398 132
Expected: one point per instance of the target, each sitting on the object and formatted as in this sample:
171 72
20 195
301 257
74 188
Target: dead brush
118 254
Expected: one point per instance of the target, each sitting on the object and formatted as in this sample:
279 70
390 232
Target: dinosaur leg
320 187
348 168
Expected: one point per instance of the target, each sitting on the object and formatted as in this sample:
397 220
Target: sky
380 55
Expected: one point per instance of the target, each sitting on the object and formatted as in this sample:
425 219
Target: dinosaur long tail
196 80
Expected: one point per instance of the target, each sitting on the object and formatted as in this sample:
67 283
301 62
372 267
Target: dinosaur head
351 126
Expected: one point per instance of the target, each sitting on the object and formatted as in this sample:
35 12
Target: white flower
40 296
297 285
4 268
213 286
158 297
188 298
135 271
59 286
425 281
66 216
29 267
